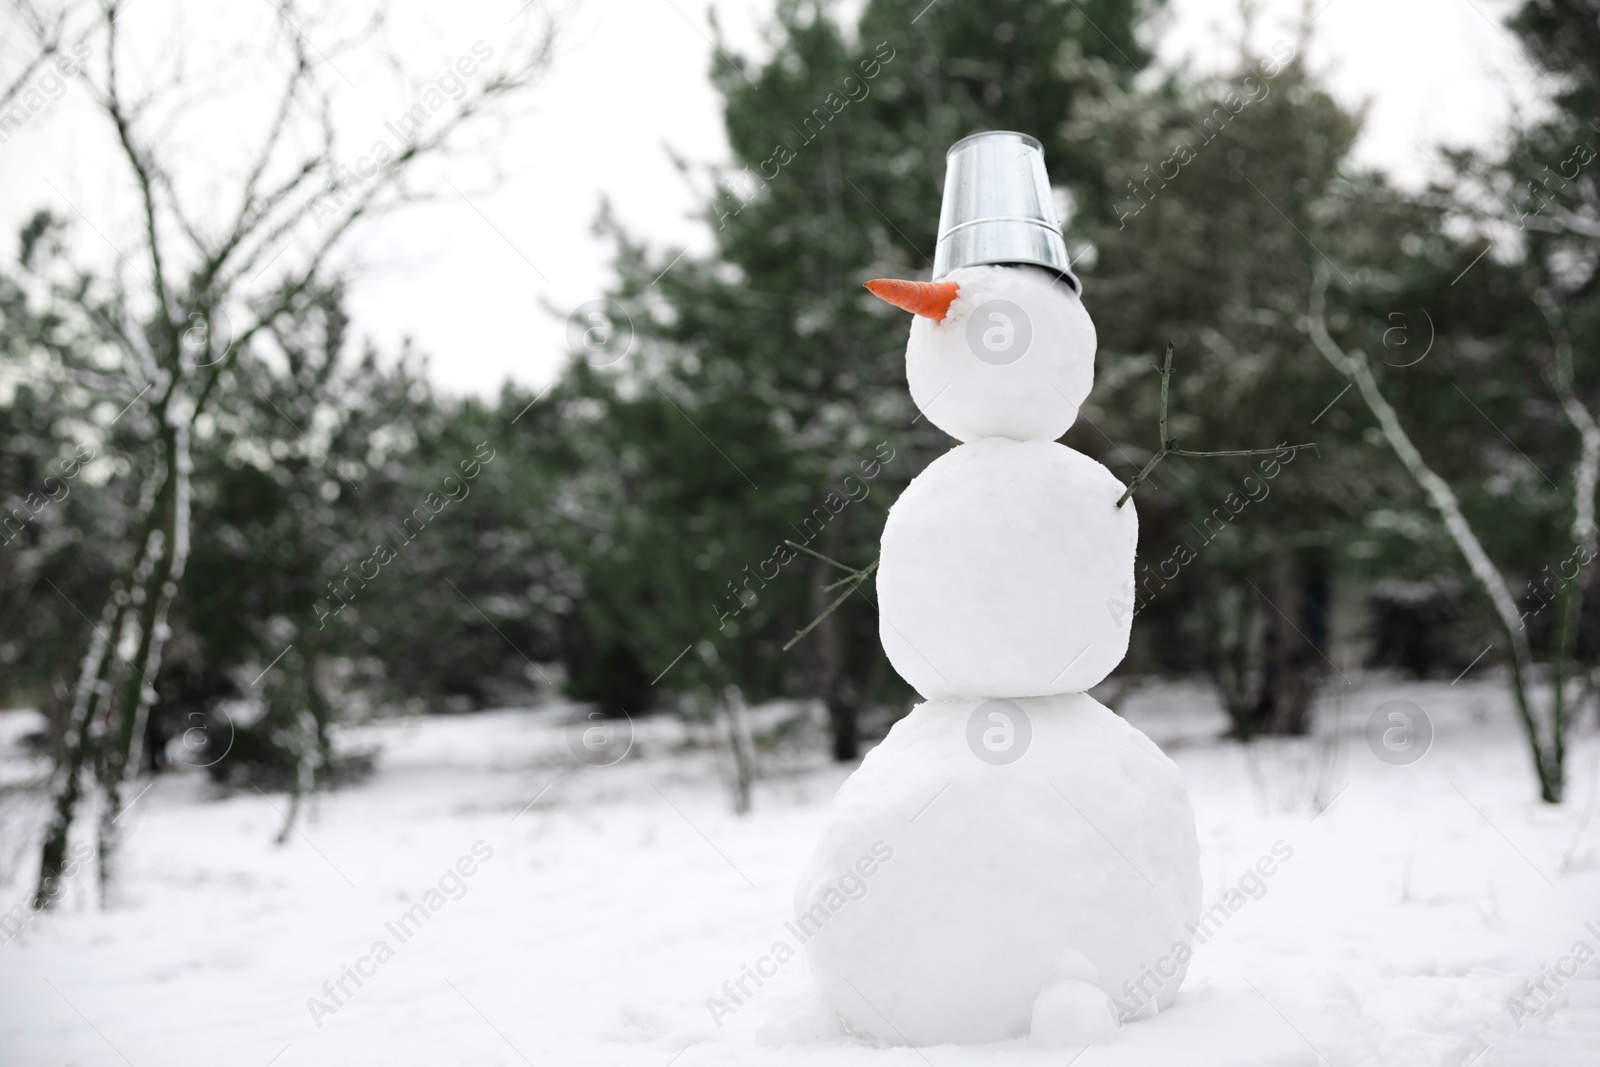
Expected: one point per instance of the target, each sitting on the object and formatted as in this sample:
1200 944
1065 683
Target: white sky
631 81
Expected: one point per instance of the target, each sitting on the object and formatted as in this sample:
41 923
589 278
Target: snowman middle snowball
1006 572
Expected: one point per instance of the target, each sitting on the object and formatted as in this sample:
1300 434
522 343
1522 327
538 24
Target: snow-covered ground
606 905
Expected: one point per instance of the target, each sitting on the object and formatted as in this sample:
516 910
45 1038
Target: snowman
1014 860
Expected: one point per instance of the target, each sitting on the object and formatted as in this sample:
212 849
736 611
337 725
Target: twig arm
1244 451
854 584
1166 379
1169 446
1138 479
853 577
813 552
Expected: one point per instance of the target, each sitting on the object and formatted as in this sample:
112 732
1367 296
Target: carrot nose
929 299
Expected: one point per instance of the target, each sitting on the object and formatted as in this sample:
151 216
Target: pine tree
766 398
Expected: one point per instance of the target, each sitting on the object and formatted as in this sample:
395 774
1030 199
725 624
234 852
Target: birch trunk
1547 758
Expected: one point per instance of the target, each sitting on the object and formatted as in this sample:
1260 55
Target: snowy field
584 915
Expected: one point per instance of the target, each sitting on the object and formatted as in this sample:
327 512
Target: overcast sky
470 282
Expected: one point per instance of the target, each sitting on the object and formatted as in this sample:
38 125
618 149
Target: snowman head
996 351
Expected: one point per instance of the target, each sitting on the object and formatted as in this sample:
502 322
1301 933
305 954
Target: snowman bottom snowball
1033 865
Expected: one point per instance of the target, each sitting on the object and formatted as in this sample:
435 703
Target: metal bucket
998 208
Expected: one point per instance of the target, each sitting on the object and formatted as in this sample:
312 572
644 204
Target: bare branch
47 35
259 238
142 173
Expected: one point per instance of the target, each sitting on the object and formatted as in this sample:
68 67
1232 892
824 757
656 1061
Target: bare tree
1545 726
191 294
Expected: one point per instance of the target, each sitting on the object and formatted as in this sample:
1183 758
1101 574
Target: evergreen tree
1226 194
766 398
